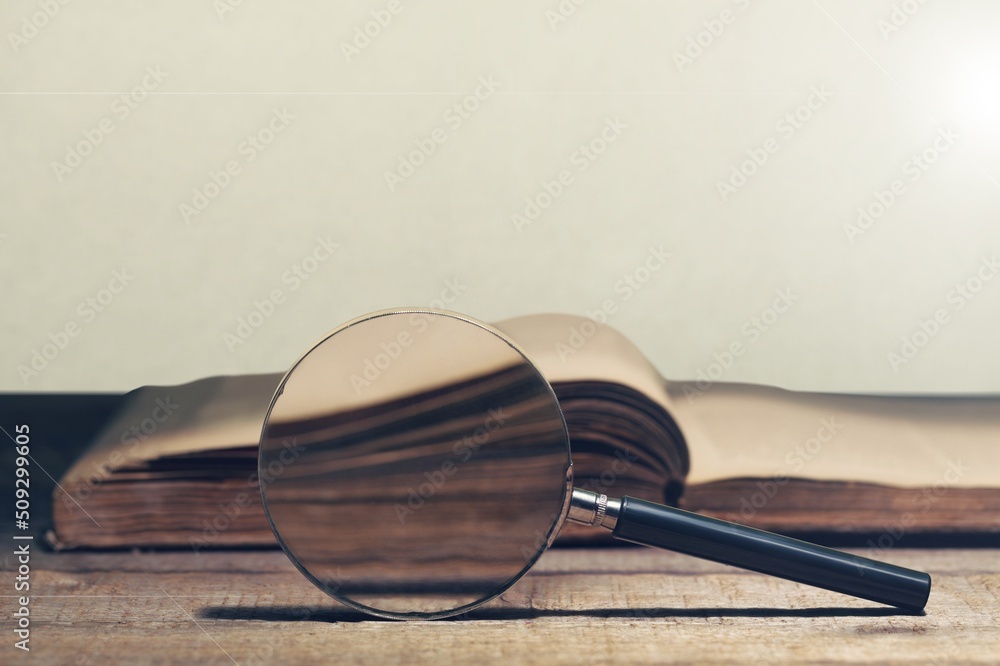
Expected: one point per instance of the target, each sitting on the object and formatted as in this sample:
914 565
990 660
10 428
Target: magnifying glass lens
414 464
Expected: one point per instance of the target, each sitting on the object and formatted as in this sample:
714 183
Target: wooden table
578 606
610 605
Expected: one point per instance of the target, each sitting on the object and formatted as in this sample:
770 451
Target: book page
731 430
740 430
223 412
566 348
158 421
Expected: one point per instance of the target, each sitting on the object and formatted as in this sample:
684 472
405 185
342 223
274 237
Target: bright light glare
974 102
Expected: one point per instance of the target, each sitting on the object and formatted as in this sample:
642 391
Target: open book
177 466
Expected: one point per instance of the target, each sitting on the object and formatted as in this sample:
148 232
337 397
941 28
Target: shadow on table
344 614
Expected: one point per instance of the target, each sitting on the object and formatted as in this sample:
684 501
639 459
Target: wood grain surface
578 606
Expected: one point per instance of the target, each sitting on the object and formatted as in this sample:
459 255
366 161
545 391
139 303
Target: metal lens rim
417 615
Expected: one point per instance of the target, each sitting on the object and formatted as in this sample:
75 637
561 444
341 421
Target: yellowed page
738 430
731 430
758 431
158 421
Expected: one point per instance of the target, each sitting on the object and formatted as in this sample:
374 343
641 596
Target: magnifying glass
414 464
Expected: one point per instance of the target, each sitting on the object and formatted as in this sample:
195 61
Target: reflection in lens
414 463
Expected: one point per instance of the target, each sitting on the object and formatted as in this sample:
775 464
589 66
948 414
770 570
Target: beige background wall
204 79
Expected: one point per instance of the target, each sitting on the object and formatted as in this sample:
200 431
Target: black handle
685 532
